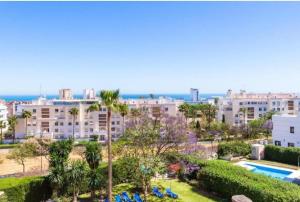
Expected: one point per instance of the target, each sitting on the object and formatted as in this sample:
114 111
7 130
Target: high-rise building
89 93
3 115
65 94
194 94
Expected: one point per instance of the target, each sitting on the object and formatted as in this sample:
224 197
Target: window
260 109
61 123
236 115
260 115
118 122
291 144
277 143
102 137
113 129
292 129
166 109
56 123
56 110
56 130
70 123
86 123
77 123
91 130
33 110
112 123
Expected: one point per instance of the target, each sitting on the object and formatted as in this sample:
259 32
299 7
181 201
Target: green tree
185 109
93 157
111 100
76 175
74 112
123 110
58 157
12 122
26 115
22 152
2 126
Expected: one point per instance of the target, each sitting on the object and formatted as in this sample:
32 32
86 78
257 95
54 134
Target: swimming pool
271 171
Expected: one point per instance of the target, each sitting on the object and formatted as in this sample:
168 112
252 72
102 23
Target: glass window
277 143
292 129
291 144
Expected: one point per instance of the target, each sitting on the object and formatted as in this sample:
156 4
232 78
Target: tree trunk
73 128
26 127
1 136
23 164
74 195
41 162
123 131
109 156
14 135
145 190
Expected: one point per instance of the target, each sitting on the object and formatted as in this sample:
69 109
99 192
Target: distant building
286 130
65 94
232 106
194 94
51 118
3 115
89 93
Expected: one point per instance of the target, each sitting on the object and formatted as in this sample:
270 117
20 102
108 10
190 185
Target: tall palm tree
26 115
74 112
12 122
185 109
110 99
2 126
244 111
94 107
123 110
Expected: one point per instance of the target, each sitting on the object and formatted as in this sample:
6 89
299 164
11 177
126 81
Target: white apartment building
194 94
286 130
255 105
3 115
52 118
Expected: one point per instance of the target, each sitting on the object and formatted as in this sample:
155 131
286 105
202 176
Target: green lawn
186 192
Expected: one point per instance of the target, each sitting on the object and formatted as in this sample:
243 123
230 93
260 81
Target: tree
110 99
147 139
74 112
244 111
123 110
93 157
2 126
185 109
12 122
22 152
26 115
209 112
58 157
76 175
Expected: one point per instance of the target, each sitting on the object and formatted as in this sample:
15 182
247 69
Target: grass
12 181
186 192
7 146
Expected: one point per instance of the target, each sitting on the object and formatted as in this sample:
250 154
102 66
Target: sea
186 97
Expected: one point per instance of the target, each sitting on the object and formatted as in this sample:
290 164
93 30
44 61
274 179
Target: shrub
234 148
287 155
28 189
227 180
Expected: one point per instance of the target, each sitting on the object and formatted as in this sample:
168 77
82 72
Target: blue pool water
272 172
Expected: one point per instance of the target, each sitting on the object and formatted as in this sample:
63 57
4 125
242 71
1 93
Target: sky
149 47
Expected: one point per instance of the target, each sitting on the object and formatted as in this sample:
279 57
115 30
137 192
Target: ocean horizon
185 97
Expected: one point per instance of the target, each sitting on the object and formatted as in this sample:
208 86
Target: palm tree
123 109
244 111
76 175
26 115
110 100
12 122
185 109
2 126
74 112
94 107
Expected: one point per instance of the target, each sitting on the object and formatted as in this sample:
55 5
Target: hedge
8 146
227 180
234 148
27 189
288 155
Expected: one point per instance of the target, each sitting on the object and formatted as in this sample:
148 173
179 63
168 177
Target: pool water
272 172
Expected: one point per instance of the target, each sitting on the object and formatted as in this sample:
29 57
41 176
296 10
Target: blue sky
149 47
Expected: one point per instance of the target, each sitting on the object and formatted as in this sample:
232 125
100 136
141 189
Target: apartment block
286 130
3 115
52 118
239 108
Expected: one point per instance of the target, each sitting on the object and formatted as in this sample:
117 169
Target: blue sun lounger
157 193
126 197
118 198
171 194
137 197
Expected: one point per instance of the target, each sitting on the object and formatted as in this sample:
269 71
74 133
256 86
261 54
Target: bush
287 155
28 189
227 180
234 148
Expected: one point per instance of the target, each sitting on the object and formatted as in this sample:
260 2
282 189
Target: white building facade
232 106
194 94
286 130
52 118
3 115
